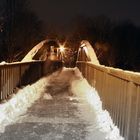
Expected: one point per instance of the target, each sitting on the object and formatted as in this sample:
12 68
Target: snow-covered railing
18 74
120 93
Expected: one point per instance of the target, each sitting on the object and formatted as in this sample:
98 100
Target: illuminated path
62 116
52 120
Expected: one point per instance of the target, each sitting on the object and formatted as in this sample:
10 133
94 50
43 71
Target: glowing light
62 49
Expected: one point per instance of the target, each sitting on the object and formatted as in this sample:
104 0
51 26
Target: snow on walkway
62 106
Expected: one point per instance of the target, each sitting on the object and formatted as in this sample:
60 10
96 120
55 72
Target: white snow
20 102
47 96
80 87
25 97
3 62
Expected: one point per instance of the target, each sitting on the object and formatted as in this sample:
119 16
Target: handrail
119 73
119 91
18 74
21 63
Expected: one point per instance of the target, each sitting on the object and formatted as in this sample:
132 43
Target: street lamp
60 53
62 49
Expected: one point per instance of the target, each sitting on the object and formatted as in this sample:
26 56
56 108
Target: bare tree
22 29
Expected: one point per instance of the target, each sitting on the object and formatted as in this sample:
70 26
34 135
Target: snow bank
25 97
80 87
20 102
3 62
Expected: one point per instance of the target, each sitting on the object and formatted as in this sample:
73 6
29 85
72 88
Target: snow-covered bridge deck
60 107
56 119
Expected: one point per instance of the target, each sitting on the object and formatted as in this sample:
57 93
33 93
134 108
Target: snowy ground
62 106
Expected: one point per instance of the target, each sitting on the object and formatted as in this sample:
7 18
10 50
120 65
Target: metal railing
18 74
120 93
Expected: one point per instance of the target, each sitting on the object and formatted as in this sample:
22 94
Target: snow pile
59 81
47 96
24 98
3 62
20 102
80 87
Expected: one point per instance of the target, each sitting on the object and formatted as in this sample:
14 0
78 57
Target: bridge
42 100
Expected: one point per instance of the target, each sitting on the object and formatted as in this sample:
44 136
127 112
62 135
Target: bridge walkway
57 115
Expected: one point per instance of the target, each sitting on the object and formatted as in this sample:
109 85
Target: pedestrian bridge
63 105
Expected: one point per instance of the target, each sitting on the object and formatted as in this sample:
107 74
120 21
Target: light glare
62 49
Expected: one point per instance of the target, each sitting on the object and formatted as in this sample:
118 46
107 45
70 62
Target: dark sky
63 11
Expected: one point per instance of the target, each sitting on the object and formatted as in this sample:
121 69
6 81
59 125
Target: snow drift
70 79
80 87
20 102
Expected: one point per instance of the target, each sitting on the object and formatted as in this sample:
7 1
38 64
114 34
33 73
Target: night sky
60 12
